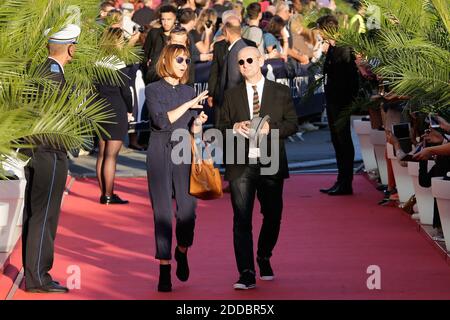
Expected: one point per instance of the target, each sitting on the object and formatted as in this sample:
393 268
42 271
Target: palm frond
412 48
69 118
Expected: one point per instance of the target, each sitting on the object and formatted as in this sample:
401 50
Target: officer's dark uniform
46 175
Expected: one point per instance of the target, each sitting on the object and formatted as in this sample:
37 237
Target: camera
402 132
138 28
208 23
434 123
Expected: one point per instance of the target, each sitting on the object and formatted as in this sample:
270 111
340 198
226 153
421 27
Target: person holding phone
171 105
437 121
437 144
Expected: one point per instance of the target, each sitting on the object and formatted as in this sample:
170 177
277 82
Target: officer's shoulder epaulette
54 68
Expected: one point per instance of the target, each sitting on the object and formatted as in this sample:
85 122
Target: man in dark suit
46 175
156 40
256 97
219 53
341 88
229 71
217 67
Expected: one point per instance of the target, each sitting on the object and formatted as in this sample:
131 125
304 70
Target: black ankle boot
165 284
114 199
182 265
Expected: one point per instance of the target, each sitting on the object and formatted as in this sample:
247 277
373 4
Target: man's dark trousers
341 138
269 190
46 176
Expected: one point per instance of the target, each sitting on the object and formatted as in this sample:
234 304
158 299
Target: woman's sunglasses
249 61
180 60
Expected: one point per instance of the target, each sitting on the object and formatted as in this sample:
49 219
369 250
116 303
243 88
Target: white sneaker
83 152
308 126
300 135
439 238
438 235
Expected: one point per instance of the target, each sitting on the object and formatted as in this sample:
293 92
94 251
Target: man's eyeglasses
180 60
249 61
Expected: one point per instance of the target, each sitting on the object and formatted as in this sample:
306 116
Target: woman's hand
195 103
198 122
433 137
208 30
206 56
443 124
175 114
424 154
392 140
201 119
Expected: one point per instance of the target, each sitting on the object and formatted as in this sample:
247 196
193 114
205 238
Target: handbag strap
194 150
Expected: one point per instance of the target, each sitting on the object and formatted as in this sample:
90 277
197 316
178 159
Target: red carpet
325 246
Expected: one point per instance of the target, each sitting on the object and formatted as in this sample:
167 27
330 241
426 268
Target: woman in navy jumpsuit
172 105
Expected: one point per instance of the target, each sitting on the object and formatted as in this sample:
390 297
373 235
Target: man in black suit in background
224 71
256 97
341 88
156 40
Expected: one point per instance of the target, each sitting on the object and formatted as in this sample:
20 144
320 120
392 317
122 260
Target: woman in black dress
119 103
172 105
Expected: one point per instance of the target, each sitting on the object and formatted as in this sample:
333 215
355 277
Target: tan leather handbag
205 181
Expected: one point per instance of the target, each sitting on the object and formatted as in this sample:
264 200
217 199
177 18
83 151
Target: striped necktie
256 106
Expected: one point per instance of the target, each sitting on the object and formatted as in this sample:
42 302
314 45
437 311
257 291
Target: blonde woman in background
204 30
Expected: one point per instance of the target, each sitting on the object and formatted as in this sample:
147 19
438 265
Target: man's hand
130 117
210 102
201 119
265 129
242 128
206 56
392 140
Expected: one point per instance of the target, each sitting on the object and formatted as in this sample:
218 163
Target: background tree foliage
410 50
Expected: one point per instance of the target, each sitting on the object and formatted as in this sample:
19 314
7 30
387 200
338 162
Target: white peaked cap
66 35
127 6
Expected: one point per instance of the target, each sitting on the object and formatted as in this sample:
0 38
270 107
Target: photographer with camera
204 30
131 29
437 148
437 144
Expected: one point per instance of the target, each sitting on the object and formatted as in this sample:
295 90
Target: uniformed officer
46 175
